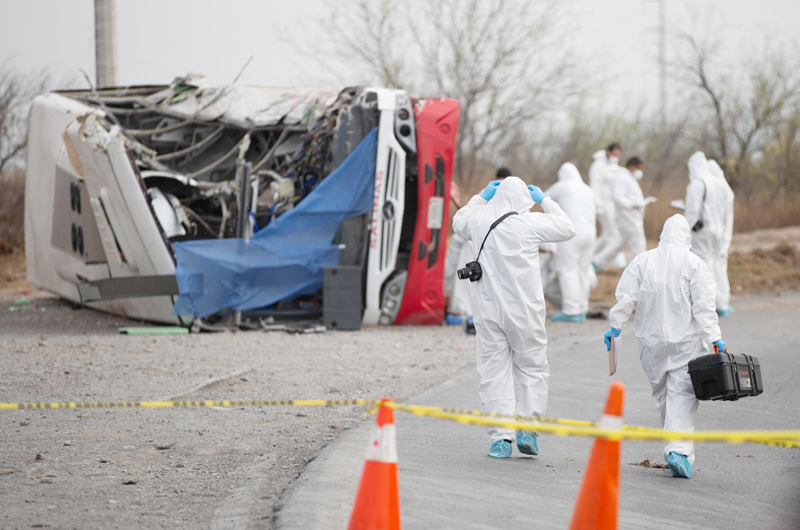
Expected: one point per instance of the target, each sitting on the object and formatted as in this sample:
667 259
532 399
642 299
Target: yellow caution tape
540 419
186 404
557 426
782 438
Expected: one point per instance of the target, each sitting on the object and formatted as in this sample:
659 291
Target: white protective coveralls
570 284
629 203
600 182
720 270
507 302
672 292
706 201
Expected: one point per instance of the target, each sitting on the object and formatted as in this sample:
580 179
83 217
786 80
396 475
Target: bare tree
16 92
745 102
504 60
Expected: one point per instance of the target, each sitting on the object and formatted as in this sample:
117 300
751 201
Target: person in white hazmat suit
602 172
673 293
706 204
720 270
572 275
630 204
508 303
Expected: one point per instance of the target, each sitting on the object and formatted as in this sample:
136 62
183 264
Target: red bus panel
423 297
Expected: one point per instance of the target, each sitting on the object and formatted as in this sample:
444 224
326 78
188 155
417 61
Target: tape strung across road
557 426
187 404
782 438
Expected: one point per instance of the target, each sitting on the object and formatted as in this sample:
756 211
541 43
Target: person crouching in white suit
570 283
508 303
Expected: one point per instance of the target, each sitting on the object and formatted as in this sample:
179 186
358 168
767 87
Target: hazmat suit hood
512 195
715 170
676 232
599 155
569 173
698 166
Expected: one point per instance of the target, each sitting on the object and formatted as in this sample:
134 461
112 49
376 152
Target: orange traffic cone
377 504
599 496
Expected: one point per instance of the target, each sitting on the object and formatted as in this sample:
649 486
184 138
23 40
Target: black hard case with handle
725 376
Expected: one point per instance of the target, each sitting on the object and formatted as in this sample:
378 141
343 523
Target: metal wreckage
215 206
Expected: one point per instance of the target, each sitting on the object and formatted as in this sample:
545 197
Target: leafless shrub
16 92
504 60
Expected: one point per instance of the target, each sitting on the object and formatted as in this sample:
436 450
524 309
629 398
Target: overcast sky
161 39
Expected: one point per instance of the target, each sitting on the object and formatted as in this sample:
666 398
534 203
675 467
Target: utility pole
105 43
662 34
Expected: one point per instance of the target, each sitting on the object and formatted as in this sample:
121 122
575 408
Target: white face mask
613 160
638 174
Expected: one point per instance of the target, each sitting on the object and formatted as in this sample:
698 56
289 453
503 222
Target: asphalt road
447 481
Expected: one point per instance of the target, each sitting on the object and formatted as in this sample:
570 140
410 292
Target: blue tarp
284 260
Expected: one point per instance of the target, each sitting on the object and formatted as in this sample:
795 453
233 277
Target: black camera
472 272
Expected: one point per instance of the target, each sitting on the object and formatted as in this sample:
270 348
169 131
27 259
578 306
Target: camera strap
494 225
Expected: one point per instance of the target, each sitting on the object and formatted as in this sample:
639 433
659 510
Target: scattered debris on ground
649 464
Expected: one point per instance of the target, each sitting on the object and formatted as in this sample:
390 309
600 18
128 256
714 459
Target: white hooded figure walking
706 204
508 303
602 173
571 282
673 293
630 206
720 270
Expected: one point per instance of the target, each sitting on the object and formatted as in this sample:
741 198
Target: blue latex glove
719 346
453 320
490 190
607 337
536 193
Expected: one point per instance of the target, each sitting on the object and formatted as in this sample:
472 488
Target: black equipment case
725 376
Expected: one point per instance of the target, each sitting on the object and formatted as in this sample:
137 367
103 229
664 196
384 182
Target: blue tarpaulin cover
284 260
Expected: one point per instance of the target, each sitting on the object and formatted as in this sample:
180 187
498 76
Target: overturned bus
189 203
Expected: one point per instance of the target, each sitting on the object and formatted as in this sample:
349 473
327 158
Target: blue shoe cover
723 313
500 449
561 317
679 465
528 443
453 320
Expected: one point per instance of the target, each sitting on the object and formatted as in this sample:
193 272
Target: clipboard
613 355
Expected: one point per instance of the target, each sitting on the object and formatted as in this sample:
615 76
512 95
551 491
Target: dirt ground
762 262
183 468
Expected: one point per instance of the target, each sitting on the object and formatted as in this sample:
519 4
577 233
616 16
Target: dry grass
12 268
749 215
774 271
12 228
765 271
12 209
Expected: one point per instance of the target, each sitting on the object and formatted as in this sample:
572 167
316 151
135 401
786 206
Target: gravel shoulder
179 468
